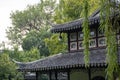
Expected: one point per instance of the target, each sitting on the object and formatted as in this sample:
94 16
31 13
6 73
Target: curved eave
69 60
59 28
65 61
103 64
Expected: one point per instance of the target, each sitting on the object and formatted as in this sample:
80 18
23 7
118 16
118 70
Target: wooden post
50 75
68 37
36 75
68 73
89 73
56 75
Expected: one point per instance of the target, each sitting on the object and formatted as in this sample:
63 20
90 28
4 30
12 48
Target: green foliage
36 39
93 6
110 26
68 10
24 56
7 67
55 45
86 33
27 28
110 33
33 18
19 76
15 54
31 55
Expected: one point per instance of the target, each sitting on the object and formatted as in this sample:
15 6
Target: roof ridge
17 62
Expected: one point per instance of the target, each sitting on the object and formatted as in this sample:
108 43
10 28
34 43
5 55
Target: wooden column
68 37
36 75
68 73
89 73
56 75
50 75
24 75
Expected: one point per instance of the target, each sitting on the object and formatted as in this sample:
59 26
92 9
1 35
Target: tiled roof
68 60
93 19
74 24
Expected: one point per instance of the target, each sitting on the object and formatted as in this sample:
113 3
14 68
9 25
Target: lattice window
73 46
92 43
101 41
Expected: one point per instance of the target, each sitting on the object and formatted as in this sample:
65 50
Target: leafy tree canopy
24 56
110 26
33 18
36 39
7 67
55 45
68 10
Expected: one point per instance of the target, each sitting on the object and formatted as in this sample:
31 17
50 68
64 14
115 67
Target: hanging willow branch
110 34
86 32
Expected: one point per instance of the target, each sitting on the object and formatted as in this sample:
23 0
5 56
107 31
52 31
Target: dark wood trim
24 75
50 75
77 41
68 73
36 75
56 75
97 37
68 36
89 74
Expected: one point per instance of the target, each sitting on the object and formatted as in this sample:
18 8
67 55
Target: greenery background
31 30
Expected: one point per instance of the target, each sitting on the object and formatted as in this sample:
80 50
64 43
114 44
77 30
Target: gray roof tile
68 60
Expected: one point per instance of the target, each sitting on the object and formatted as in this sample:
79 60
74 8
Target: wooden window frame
97 37
94 45
78 40
100 45
74 36
75 44
79 46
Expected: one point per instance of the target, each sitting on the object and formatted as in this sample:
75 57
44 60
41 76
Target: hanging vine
110 33
108 24
86 32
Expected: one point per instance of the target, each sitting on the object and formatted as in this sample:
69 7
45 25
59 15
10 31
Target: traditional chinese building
71 65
